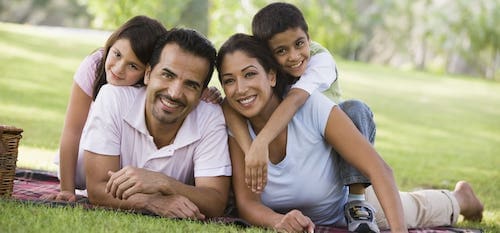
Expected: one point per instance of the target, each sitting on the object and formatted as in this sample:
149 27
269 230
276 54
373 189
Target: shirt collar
187 134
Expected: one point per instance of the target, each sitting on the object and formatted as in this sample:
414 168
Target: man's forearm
98 196
210 201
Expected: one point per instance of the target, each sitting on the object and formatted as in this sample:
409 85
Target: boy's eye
300 43
280 52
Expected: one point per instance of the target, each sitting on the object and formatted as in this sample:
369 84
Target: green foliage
112 14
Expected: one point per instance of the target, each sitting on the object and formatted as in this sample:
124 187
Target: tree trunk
195 15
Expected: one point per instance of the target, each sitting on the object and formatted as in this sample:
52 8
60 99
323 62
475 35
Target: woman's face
122 66
248 87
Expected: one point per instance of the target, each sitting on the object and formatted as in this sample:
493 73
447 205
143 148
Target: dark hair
142 32
191 41
276 18
257 49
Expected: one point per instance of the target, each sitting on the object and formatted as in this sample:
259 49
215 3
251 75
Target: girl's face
123 68
291 50
248 87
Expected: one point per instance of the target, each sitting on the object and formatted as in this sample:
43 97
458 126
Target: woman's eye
250 74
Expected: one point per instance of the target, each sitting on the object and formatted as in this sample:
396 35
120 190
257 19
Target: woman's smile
247 100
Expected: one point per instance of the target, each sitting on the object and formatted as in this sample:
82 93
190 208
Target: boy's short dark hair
276 18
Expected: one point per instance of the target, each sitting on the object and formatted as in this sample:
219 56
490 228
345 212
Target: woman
304 187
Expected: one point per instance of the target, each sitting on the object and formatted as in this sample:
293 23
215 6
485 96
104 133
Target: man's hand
174 206
130 180
256 166
211 95
295 221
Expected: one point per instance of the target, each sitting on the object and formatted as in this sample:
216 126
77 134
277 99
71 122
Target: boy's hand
256 167
211 95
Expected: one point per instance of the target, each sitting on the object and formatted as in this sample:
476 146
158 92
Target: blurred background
440 36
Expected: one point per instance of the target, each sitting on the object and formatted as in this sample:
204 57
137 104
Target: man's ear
147 74
272 77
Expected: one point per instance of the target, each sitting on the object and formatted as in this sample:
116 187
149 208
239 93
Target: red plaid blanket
31 185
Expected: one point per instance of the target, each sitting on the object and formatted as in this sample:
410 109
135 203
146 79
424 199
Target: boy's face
291 50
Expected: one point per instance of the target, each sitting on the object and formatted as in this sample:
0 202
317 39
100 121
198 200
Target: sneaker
360 217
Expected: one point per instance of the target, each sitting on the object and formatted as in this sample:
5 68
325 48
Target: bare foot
470 206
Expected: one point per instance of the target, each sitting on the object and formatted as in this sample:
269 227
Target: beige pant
423 208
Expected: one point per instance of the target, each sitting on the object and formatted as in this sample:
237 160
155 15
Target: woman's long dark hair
257 49
142 32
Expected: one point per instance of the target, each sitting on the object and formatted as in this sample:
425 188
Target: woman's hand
295 221
211 95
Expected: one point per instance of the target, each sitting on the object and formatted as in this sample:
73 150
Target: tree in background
452 36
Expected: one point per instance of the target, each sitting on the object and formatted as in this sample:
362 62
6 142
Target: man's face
174 86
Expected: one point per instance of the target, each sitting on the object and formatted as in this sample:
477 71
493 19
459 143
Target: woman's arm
341 133
76 116
250 206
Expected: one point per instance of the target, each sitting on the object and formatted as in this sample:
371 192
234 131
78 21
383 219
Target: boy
283 27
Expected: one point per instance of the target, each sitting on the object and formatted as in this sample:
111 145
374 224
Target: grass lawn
434 130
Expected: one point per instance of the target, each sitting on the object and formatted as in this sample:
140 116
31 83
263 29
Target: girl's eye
117 54
300 43
227 81
134 67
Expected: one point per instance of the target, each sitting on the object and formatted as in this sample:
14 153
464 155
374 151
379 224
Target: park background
428 69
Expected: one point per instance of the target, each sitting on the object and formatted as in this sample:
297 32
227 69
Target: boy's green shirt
334 92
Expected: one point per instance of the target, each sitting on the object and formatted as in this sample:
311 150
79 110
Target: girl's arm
250 206
341 133
76 116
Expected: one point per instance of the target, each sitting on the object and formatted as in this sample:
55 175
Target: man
158 148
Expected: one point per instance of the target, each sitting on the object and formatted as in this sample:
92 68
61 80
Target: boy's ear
272 77
147 74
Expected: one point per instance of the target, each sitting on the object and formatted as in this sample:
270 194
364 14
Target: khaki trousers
423 208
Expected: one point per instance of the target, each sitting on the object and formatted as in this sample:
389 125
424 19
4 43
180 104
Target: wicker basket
9 141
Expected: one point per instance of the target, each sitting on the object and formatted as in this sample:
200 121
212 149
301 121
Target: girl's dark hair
276 18
257 49
142 32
